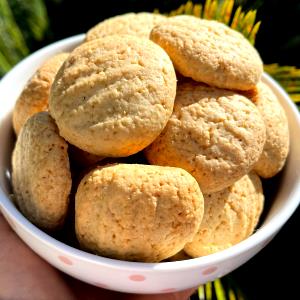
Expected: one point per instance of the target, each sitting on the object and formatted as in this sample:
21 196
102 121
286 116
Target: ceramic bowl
132 276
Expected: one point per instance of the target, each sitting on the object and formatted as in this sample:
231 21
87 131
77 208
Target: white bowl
132 276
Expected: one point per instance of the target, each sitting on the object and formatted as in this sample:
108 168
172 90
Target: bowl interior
282 192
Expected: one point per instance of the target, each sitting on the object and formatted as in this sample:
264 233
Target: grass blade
219 290
208 291
206 9
188 8
31 16
4 65
201 292
12 44
197 10
228 11
236 18
222 11
253 33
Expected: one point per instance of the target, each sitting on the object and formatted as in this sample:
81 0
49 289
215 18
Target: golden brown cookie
34 97
40 172
210 52
230 216
137 212
113 96
139 24
216 135
276 148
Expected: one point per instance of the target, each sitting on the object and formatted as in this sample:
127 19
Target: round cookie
40 172
34 97
139 24
277 143
107 94
209 52
137 212
230 216
216 135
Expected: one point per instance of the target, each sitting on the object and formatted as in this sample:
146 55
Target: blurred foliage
22 22
220 289
31 17
12 44
223 11
288 77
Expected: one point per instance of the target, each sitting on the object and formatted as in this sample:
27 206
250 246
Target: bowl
137 277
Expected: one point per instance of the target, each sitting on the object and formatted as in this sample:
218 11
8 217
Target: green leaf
197 10
288 77
208 291
188 8
219 290
222 11
31 16
231 295
228 10
4 65
21 23
253 33
12 44
248 22
236 18
201 292
213 9
206 9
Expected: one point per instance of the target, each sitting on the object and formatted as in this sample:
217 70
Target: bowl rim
264 233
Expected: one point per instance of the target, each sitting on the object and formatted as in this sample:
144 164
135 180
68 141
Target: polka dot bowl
131 276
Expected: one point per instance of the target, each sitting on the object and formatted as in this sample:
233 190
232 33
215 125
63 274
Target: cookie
216 135
139 24
230 216
276 148
209 52
137 212
40 172
107 94
34 97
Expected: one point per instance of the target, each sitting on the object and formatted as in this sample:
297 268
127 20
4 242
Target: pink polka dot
137 277
65 260
209 271
101 285
170 290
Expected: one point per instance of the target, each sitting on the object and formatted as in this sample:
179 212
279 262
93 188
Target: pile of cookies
182 92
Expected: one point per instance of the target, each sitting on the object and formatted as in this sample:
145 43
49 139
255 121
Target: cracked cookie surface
137 212
209 52
230 216
106 96
276 148
41 173
216 135
35 95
